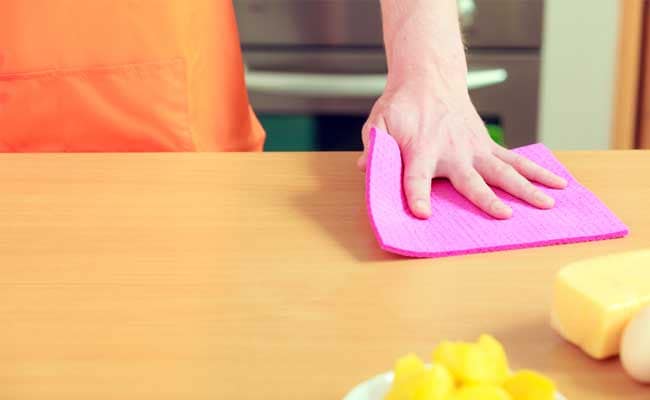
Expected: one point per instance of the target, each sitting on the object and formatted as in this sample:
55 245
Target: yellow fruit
397 393
435 383
407 370
477 366
451 355
497 354
480 392
408 367
479 370
473 363
400 391
529 385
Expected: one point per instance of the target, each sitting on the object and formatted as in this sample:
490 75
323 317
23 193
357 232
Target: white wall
578 72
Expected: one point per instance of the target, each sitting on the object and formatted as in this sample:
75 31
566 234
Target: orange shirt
123 75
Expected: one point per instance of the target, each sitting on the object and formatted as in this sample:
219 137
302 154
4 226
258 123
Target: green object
289 133
301 133
496 133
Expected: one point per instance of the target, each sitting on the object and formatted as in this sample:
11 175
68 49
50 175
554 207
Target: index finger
531 170
470 184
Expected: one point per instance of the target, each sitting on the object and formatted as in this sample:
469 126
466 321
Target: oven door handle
345 85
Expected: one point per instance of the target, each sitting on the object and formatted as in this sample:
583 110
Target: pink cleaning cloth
456 226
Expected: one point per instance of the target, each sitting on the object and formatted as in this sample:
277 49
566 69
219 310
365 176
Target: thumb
374 121
418 172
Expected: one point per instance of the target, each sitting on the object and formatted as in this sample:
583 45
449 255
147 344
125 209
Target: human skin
427 109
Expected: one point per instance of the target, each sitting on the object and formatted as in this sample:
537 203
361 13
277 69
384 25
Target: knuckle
406 123
519 162
417 171
415 146
487 198
470 184
531 191
502 169
546 174
414 186
484 197
417 175
408 144
465 176
482 158
393 111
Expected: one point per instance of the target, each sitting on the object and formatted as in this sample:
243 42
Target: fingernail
543 199
421 206
563 182
501 209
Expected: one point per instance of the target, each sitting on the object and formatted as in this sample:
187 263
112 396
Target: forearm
423 40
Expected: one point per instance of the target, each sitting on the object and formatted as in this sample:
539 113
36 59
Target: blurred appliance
317 65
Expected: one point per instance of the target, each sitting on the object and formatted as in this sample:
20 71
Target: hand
441 135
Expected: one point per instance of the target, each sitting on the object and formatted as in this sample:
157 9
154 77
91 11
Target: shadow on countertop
564 362
338 205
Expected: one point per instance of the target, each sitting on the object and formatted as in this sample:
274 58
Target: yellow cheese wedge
595 298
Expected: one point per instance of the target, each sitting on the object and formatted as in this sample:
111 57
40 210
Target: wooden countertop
248 276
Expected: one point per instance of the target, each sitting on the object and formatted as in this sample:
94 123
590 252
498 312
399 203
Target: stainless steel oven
315 67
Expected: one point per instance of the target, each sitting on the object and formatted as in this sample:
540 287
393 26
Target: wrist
440 63
445 80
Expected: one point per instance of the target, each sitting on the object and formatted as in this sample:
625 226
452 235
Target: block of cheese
595 298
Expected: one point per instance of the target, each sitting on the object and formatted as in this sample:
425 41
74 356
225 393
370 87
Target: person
123 75
167 75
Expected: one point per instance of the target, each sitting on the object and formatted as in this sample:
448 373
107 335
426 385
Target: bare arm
423 40
427 109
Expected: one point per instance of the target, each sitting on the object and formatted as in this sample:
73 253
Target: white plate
377 387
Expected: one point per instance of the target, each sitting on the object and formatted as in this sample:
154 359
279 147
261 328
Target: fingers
469 183
530 170
498 173
418 172
372 122
362 161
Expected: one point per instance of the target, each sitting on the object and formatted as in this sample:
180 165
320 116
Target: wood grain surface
256 276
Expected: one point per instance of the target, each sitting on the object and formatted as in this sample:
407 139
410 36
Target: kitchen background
540 70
